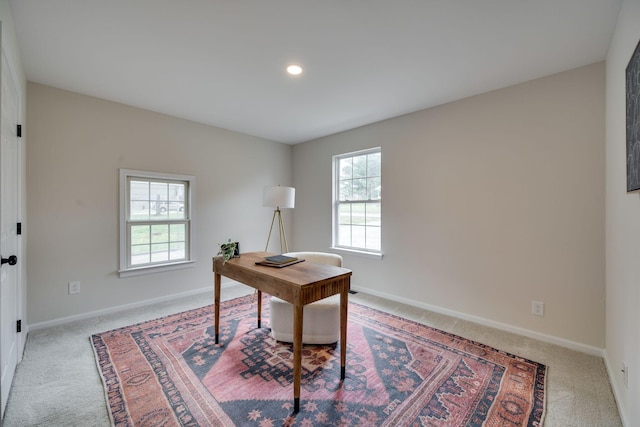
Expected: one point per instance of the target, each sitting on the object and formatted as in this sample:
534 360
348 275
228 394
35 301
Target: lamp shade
279 197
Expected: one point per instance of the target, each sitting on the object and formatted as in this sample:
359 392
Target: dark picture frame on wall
633 120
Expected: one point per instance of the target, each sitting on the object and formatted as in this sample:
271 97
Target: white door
9 295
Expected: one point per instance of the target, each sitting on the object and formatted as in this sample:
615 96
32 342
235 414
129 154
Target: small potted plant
229 250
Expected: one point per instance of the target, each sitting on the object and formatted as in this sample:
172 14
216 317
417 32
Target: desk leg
344 303
216 302
297 354
259 308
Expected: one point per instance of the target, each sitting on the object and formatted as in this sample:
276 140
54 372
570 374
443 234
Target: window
357 201
156 222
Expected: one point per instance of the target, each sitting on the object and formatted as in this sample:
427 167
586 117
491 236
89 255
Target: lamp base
283 236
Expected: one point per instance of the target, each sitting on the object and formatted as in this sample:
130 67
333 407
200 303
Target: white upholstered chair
321 319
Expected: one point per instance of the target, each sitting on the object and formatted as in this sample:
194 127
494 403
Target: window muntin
358 200
156 219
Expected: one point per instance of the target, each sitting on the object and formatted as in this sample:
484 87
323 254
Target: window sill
152 269
364 254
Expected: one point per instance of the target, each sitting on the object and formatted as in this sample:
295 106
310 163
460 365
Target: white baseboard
595 351
62 320
573 345
615 386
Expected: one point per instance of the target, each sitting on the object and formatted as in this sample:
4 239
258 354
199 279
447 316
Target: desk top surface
300 274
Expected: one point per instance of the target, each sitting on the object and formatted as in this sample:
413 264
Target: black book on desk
279 261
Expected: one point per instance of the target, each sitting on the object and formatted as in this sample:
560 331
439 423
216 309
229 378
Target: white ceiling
221 62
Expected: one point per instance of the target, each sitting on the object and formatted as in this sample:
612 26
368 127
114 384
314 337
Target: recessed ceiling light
294 69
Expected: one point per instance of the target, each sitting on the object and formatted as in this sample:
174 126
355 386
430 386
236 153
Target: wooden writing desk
298 284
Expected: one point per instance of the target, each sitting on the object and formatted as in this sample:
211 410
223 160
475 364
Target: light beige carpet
57 383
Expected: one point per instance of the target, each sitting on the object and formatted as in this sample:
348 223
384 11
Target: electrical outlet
625 375
537 308
74 288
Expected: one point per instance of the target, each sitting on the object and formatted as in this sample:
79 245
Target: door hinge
19 131
19 326
19 228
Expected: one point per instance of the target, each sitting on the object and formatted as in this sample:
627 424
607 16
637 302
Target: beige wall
76 146
488 203
622 226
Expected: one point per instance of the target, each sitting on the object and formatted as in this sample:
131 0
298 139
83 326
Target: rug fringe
102 380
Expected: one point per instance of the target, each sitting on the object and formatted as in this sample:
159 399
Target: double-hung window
357 222
156 221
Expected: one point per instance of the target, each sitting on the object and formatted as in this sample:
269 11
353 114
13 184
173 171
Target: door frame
20 169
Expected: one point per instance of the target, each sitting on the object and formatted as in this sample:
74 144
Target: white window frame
370 253
125 269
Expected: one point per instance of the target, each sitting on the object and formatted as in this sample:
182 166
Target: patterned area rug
169 372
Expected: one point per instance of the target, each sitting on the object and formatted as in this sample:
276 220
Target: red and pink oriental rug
169 372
